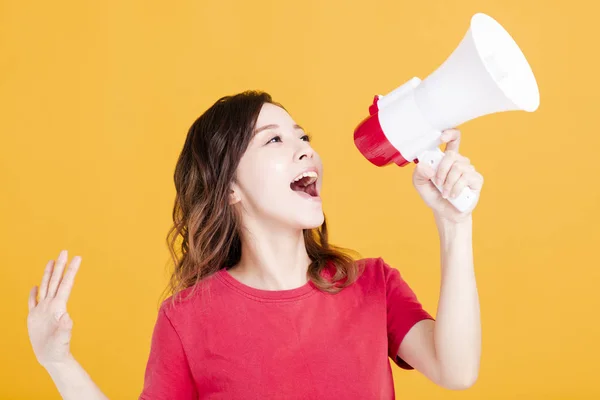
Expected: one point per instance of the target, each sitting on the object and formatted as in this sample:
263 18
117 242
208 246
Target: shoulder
377 273
374 266
374 270
192 302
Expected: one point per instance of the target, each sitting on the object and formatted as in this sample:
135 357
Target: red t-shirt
232 341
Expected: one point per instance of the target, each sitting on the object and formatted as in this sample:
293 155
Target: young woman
262 306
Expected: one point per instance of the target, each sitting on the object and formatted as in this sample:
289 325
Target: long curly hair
206 228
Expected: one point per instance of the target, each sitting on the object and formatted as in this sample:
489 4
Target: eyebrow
273 126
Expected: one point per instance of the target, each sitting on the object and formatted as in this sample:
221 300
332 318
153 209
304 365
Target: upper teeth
310 174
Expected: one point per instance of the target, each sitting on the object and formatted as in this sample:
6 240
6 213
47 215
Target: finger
453 176
57 274
66 284
424 173
32 295
452 139
458 187
449 158
44 285
473 180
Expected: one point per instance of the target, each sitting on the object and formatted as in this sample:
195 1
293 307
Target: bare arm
457 330
49 327
73 382
448 350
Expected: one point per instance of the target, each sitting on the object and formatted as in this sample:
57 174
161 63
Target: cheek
263 177
269 170
320 167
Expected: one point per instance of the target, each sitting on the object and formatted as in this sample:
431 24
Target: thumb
33 298
65 326
423 173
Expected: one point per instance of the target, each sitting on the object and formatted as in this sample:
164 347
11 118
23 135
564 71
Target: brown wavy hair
206 225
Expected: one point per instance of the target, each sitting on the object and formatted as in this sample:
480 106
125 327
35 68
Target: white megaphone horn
487 73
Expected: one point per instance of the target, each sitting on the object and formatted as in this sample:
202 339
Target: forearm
457 333
73 382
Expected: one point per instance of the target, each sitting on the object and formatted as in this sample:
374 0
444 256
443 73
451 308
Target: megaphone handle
465 199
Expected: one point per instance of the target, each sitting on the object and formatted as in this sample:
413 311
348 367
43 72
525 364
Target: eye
275 137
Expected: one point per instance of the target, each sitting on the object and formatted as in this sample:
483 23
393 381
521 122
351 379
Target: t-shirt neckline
266 295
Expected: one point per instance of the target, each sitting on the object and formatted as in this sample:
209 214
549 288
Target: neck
272 259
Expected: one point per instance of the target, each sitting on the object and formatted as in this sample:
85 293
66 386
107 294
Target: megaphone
487 73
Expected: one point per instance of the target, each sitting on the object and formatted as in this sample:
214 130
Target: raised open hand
48 322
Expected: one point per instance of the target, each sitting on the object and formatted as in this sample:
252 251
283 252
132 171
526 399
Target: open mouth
306 182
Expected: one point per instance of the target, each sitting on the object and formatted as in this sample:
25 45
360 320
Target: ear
234 194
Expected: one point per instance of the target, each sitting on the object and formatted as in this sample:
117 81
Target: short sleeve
168 374
403 311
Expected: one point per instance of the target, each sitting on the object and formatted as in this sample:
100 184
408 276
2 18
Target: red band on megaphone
373 144
374 108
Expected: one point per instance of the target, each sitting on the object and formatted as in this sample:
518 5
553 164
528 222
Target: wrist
451 229
54 368
441 221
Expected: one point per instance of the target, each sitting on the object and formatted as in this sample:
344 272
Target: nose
304 152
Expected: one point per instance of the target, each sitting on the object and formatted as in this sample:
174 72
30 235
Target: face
279 153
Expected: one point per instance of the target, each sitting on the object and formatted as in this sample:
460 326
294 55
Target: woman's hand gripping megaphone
447 181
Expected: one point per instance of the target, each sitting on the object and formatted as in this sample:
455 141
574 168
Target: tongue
299 187
311 189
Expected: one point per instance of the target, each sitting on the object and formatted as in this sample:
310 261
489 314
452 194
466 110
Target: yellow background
96 99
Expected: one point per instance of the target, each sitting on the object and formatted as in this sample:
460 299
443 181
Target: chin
311 221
